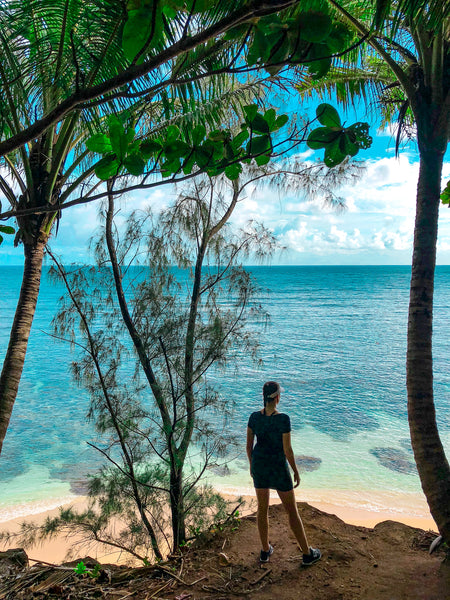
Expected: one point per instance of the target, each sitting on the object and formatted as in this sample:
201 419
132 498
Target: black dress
269 465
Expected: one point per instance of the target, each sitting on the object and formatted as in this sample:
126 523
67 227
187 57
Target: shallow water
336 341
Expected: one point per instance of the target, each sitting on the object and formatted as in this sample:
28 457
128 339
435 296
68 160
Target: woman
269 469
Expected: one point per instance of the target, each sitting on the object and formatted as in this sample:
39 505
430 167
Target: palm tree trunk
20 333
429 453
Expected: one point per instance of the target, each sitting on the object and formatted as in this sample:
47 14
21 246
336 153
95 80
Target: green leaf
136 31
262 160
200 6
239 139
273 69
99 143
445 196
346 146
216 148
107 167
170 166
134 148
382 10
80 568
259 124
321 138
319 68
123 116
280 50
301 51
176 149
130 133
361 135
314 26
229 152
259 50
118 139
258 145
270 116
172 133
134 164
340 38
281 121
328 116
169 11
333 155
148 148
270 24
188 165
203 156
198 134
250 112
114 119
233 171
7 229
319 54
219 136
237 32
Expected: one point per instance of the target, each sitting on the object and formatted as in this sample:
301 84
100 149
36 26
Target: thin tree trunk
20 333
127 319
177 507
429 453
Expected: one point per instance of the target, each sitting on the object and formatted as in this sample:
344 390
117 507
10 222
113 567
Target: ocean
336 342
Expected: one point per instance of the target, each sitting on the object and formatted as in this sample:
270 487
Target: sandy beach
353 509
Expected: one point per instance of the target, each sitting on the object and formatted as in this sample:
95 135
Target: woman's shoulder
284 418
284 415
256 414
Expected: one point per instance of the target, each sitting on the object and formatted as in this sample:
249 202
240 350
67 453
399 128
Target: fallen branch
43 562
266 572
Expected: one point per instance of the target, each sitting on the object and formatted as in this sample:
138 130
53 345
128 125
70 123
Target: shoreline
350 507
364 508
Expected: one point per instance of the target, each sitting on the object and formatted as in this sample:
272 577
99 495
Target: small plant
95 572
81 569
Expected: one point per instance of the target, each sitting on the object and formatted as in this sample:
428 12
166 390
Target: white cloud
377 226
388 186
378 223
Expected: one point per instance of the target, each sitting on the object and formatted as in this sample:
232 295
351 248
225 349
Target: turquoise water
336 341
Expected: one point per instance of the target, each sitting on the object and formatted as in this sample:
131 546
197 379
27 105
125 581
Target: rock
393 532
307 463
88 561
394 459
341 555
13 560
224 561
79 487
220 470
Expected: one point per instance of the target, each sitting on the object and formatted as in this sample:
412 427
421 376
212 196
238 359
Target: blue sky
376 228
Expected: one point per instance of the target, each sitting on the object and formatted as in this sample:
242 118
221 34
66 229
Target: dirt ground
388 562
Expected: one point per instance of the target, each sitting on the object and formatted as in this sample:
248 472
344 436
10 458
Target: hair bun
271 389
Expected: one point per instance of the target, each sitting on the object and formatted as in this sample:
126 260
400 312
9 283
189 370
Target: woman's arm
289 453
250 440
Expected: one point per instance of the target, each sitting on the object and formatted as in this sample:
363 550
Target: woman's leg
263 496
295 522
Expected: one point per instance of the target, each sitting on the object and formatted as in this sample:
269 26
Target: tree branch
253 9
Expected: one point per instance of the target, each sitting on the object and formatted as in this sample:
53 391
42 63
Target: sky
376 228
